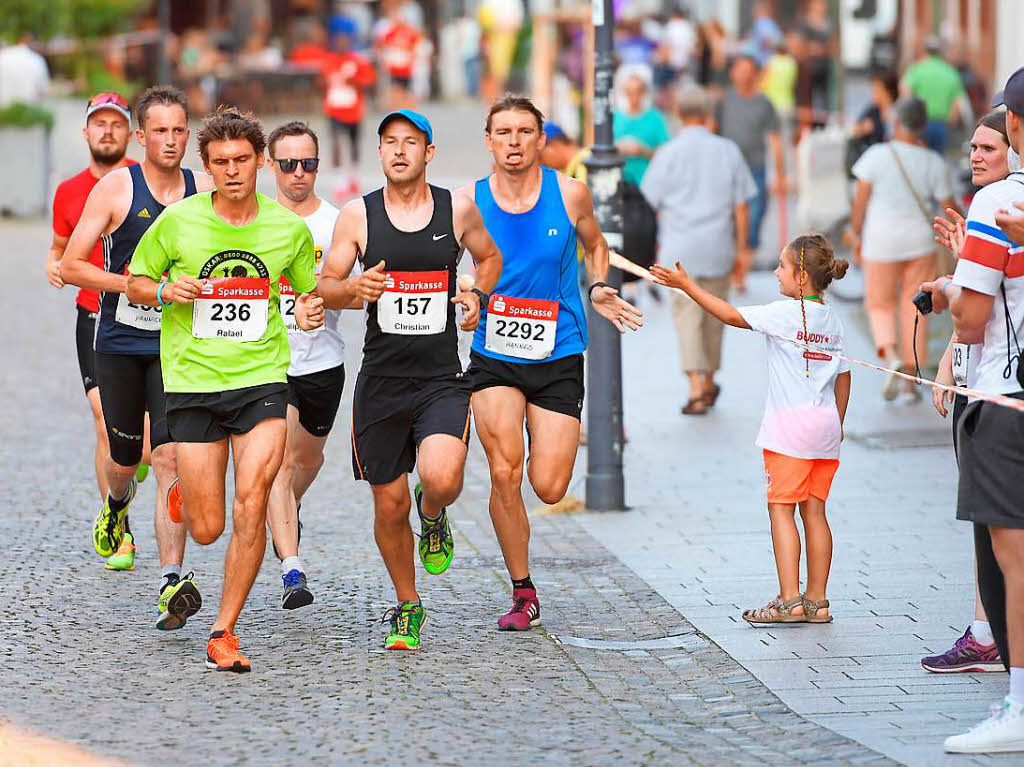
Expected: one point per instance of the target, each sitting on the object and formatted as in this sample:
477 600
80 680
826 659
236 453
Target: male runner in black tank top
411 403
120 209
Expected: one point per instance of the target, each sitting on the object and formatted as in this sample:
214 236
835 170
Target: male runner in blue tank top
410 407
120 209
527 356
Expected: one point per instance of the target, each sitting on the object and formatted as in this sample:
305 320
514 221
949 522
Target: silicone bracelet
160 294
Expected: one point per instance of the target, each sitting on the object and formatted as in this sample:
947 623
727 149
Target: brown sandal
776 611
811 611
696 406
712 396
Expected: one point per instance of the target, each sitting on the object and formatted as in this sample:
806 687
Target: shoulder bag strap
913 192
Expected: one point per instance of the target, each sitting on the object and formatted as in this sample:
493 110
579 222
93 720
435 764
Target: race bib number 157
232 308
414 303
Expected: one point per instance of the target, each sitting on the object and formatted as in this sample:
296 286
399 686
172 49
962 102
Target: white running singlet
324 348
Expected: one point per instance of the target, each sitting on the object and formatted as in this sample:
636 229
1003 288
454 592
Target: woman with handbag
898 184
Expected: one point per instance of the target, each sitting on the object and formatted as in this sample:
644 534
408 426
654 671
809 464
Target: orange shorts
792 480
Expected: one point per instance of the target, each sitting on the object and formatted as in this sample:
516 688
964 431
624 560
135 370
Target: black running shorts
85 332
317 396
130 385
391 416
211 417
556 385
991 453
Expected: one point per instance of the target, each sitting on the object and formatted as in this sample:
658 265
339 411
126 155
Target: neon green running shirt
232 337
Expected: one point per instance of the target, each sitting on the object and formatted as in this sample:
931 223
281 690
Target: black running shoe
296 591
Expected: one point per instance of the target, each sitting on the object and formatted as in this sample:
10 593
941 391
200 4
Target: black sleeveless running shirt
431 249
113 337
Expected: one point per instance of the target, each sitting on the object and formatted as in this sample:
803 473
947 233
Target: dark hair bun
839 267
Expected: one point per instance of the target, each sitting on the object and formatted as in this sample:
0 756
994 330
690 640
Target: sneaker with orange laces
174 501
222 653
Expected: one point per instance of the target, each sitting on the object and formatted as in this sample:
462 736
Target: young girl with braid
808 391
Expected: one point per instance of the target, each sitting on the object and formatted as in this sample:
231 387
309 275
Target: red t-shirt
398 44
346 78
312 56
68 202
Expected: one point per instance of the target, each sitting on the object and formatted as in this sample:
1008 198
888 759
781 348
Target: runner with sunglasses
120 210
316 375
411 403
107 129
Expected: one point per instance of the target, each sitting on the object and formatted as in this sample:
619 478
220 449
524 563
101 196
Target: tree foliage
78 19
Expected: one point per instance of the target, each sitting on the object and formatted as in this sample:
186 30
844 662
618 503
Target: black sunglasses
309 164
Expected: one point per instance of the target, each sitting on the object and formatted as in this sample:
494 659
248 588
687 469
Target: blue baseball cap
554 131
418 120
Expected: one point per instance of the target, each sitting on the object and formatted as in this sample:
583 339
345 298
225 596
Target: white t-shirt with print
323 348
989 263
800 414
895 229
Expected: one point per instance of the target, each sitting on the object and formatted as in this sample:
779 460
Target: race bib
414 303
342 96
288 306
136 315
232 308
961 363
521 327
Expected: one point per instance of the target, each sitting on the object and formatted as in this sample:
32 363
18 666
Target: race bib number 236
232 308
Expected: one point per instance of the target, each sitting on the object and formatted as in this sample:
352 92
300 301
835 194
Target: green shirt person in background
779 81
639 130
224 351
937 83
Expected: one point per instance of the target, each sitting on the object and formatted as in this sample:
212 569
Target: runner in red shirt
396 48
347 76
107 129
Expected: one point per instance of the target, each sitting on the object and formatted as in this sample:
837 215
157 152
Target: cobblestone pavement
902 577
617 676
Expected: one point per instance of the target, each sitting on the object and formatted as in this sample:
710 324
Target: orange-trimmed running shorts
792 480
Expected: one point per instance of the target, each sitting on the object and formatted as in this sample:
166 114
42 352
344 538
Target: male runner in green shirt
224 348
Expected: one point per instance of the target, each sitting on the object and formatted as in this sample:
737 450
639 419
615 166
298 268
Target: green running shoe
141 472
124 557
108 529
436 545
407 618
179 601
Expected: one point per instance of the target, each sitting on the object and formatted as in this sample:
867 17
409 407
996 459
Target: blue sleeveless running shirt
538 250
122 326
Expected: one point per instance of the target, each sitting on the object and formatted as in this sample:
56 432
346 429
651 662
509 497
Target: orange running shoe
174 501
222 653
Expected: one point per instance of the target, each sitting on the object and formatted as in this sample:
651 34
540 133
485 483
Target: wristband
590 290
160 294
484 298
945 285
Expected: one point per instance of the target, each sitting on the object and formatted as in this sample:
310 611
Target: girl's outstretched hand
672 278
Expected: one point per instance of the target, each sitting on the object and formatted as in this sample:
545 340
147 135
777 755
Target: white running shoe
1003 731
891 389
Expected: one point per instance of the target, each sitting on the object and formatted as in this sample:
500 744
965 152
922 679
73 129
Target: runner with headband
808 393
